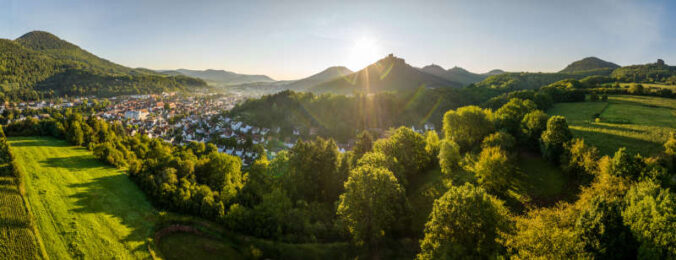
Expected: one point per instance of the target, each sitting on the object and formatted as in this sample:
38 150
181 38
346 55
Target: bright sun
364 51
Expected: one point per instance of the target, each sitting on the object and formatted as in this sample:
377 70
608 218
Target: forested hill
590 64
220 78
658 72
388 74
458 74
40 64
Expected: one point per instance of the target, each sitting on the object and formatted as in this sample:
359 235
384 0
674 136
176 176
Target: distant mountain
41 62
388 74
590 64
220 77
324 76
458 74
493 72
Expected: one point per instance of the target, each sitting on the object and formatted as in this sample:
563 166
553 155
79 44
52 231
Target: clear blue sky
293 39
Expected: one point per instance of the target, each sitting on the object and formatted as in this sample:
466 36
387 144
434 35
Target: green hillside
657 72
39 63
220 78
590 64
82 208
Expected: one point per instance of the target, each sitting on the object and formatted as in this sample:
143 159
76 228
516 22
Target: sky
294 39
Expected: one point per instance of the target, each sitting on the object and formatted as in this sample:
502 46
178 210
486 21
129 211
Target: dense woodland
40 65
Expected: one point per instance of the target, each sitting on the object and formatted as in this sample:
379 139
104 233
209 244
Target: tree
509 116
449 157
553 139
465 222
372 201
602 231
532 126
636 89
407 148
593 97
670 150
500 139
467 126
625 165
222 173
313 171
432 144
363 144
547 233
493 170
650 213
76 136
580 159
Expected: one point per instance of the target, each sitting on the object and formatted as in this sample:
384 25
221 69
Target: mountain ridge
387 74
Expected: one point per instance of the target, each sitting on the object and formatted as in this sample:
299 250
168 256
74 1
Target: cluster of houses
184 119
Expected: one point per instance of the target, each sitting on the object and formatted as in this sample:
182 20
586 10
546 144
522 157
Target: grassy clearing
640 123
539 182
83 208
17 237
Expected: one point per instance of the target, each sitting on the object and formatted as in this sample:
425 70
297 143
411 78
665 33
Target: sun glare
364 51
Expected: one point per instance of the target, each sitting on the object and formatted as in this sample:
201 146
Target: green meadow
640 123
82 208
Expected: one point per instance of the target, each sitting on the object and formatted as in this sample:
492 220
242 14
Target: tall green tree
602 231
510 115
493 169
372 201
553 139
407 149
465 222
650 213
467 126
532 126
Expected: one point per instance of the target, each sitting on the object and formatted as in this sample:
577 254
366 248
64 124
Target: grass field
542 182
82 208
640 123
17 237
87 210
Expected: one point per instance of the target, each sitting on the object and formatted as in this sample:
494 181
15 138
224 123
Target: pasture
640 123
82 208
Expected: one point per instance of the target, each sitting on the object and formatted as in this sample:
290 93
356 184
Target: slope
82 208
324 76
220 77
388 74
455 74
590 64
41 62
